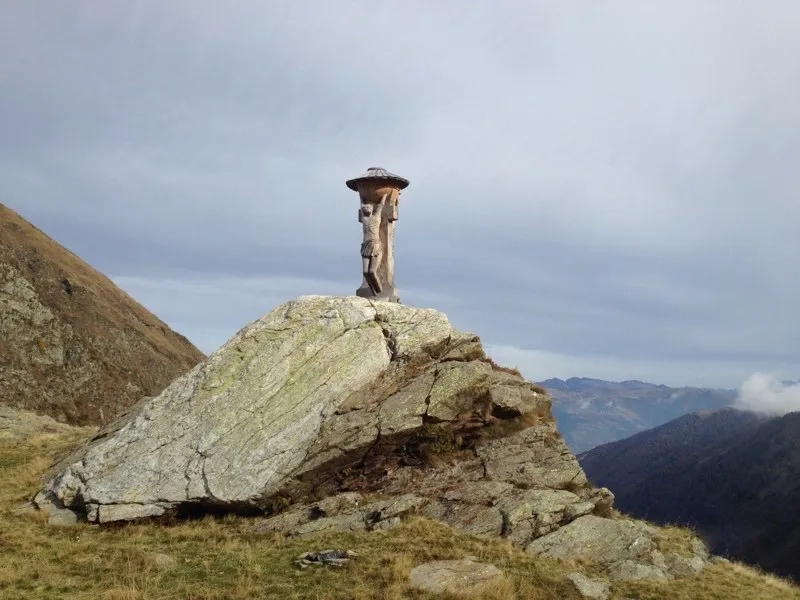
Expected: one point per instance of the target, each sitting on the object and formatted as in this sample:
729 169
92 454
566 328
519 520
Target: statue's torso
372 226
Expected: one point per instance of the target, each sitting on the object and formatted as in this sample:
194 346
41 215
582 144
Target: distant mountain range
591 412
732 475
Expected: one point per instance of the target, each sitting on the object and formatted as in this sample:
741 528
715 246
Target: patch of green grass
10 460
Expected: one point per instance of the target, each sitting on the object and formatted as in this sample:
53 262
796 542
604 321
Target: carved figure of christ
370 216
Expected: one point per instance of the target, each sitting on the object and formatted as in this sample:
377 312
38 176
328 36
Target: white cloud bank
765 393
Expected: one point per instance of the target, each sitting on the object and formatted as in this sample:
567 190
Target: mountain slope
734 476
72 344
591 412
664 452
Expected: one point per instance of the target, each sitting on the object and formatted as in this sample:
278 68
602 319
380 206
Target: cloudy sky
597 189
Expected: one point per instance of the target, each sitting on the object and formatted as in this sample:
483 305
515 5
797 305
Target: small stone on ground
454 576
62 516
628 570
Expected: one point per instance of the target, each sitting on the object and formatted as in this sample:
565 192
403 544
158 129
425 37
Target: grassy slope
114 340
220 559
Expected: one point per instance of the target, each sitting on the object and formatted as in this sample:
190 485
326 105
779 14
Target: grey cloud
612 181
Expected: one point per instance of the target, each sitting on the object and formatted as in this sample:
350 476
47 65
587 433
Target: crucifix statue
370 215
379 194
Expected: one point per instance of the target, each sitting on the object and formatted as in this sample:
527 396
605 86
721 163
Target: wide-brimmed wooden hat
377 174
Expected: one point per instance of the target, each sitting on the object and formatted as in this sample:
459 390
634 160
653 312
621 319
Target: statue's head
367 208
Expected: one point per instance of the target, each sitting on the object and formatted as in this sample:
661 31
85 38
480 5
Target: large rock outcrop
323 396
341 414
72 344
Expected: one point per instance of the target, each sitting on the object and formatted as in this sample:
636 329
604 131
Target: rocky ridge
72 344
343 413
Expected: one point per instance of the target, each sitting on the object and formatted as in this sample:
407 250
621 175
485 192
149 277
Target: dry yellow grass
216 559
675 539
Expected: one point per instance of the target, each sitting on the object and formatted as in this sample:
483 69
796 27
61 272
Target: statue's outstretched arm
381 204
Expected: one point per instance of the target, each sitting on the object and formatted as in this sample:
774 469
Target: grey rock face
62 517
479 508
327 395
681 566
345 512
631 570
597 539
628 548
454 576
